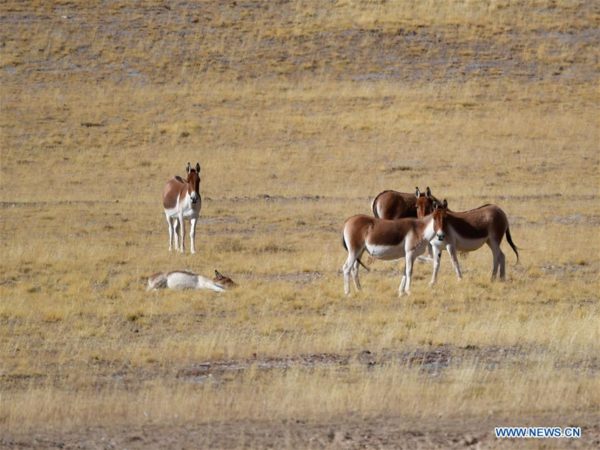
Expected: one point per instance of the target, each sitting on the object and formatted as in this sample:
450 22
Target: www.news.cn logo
538 432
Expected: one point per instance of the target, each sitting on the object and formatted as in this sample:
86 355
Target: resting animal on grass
182 279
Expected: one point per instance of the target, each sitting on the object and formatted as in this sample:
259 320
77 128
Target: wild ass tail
358 259
512 244
374 207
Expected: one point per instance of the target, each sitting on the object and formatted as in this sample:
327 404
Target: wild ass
468 231
182 279
181 200
396 205
385 239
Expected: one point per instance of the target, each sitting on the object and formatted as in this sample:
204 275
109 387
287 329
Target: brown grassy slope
209 81
299 112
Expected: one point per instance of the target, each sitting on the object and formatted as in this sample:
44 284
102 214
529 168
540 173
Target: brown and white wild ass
467 231
396 205
387 240
182 279
181 201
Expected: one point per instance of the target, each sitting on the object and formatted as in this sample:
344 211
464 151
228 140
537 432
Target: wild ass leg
437 256
174 223
354 273
402 284
494 264
350 267
157 281
502 262
170 231
346 269
182 226
193 235
499 260
452 252
410 258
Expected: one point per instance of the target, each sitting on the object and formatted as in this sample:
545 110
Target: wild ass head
223 280
440 214
424 203
193 180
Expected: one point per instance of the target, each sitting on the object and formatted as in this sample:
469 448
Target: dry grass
299 114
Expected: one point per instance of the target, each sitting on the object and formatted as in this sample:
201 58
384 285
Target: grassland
299 113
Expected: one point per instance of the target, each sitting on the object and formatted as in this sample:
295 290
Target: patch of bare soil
349 432
431 362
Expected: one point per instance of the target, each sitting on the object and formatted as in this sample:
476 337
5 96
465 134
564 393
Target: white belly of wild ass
188 213
386 252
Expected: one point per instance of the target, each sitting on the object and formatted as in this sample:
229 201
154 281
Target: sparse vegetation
299 112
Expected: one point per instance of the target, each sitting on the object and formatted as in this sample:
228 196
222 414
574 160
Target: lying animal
182 279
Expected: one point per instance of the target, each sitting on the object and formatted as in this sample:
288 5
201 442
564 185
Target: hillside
299 113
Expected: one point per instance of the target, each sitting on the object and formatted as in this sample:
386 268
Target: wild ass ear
198 168
188 168
417 192
217 274
445 204
428 192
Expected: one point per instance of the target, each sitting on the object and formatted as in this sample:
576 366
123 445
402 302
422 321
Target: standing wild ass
468 231
181 200
182 279
396 205
385 239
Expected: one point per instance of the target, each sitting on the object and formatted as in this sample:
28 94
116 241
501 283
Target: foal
182 279
468 231
385 239
181 200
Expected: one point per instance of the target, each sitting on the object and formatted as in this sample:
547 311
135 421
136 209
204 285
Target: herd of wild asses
403 225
